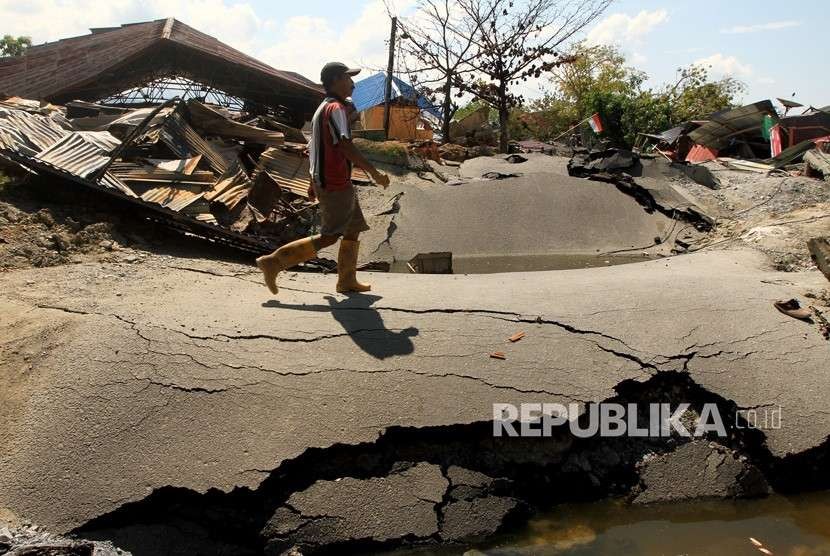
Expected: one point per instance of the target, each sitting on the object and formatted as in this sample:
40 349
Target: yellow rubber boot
290 254
347 268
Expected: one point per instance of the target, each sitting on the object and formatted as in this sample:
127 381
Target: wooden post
387 95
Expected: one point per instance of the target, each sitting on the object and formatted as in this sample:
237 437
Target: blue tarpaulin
369 92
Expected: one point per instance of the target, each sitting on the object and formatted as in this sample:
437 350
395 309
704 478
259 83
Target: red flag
775 140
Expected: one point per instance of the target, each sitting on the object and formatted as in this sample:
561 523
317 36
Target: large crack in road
309 502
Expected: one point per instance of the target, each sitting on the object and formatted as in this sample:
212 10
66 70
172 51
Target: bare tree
518 40
440 41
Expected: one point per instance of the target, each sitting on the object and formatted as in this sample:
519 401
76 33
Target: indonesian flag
596 123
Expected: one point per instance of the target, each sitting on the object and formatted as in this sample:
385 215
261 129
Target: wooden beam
820 252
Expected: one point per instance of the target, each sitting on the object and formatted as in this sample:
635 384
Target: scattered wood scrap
820 252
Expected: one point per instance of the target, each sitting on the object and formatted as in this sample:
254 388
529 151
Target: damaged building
195 134
147 59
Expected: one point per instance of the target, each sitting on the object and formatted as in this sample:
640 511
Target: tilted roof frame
108 61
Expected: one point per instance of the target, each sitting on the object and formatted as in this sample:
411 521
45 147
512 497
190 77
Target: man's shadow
362 323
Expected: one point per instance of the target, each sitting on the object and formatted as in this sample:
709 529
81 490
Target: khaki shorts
340 212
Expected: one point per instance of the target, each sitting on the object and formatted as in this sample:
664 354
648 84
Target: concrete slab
121 379
536 163
535 214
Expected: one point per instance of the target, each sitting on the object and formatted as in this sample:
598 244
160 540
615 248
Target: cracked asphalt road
120 379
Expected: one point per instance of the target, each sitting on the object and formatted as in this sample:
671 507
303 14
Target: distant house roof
370 92
113 59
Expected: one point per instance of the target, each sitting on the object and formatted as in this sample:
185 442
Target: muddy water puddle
488 264
786 526
797 526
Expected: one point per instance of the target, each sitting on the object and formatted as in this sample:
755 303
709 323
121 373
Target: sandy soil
774 214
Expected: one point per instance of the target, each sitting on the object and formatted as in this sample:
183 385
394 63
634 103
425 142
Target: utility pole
387 96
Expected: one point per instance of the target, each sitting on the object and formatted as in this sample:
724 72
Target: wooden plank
820 252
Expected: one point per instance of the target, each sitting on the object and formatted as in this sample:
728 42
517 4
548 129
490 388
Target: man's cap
333 70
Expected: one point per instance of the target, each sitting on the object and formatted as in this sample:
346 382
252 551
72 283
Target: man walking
331 154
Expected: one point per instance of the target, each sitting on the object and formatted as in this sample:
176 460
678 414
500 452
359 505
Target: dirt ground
41 227
775 214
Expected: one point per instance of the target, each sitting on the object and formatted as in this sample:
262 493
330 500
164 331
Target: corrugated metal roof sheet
214 123
155 175
112 182
183 140
724 125
26 132
174 198
290 170
231 189
174 191
80 153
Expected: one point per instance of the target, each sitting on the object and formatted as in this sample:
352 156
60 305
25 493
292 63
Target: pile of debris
200 169
586 162
40 239
752 138
31 540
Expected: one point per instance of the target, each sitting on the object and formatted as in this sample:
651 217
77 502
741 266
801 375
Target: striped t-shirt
329 166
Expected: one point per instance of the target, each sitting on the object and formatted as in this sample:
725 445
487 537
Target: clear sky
776 48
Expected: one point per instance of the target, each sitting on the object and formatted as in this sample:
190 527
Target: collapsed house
752 138
233 170
140 64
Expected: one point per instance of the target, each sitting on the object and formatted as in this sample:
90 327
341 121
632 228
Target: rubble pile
41 239
31 540
752 138
200 169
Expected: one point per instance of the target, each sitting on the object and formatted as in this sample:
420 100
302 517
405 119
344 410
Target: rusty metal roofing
27 132
290 170
179 191
724 125
80 153
213 122
157 175
112 182
183 140
95 66
172 197
231 189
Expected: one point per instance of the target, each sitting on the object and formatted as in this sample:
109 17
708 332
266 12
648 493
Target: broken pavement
215 393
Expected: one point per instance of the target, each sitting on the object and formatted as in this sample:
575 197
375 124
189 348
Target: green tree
624 115
599 81
469 108
595 69
542 118
10 46
694 95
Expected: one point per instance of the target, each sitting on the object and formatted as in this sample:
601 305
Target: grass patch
389 152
